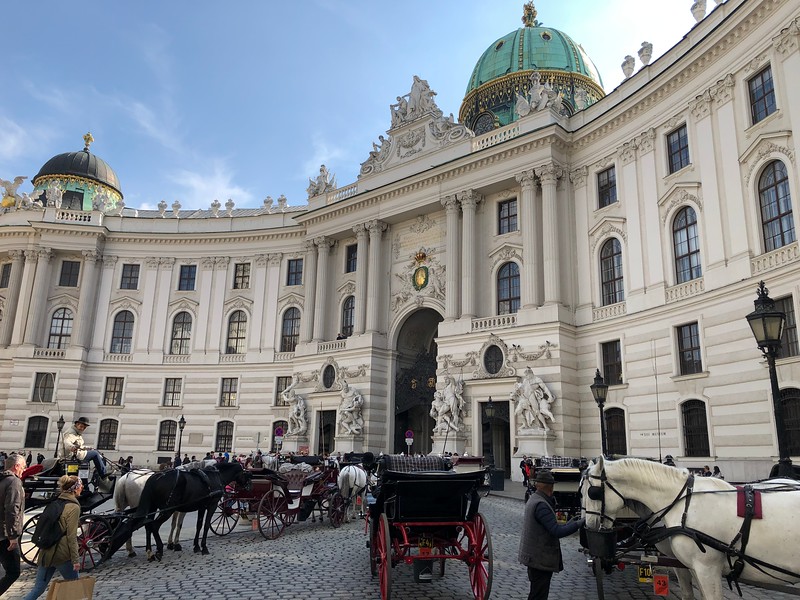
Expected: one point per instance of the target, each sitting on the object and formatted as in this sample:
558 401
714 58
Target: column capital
646 141
376 228
167 261
310 246
360 229
152 262
324 243
787 40
526 179
91 256
469 198
723 89
261 260
627 152
450 203
109 261
222 262
578 176
549 173
15 255
275 258
207 262
701 105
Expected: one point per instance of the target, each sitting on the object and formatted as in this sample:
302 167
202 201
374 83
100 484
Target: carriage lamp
60 425
767 325
600 392
181 425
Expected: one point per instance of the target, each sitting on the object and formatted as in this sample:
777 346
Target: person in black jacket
539 548
12 507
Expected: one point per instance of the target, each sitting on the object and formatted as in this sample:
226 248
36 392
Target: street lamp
181 425
767 325
60 425
600 392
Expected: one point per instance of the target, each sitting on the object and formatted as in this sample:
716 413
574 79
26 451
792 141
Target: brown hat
544 477
83 420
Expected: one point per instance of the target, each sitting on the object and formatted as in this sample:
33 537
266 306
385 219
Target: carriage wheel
226 516
272 517
28 550
336 509
383 556
94 535
480 558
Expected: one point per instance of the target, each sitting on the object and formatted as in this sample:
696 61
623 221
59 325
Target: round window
328 377
546 36
499 45
493 360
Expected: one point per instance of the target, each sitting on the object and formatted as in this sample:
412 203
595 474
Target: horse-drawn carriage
422 512
567 474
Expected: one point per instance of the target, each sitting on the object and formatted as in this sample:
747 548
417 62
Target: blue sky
199 100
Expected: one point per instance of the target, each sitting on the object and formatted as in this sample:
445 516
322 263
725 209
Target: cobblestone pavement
313 560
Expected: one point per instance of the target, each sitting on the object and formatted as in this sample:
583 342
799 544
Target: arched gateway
415 380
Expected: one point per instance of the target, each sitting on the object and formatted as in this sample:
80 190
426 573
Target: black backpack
48 529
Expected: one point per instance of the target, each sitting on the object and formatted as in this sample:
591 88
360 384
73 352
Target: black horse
184 491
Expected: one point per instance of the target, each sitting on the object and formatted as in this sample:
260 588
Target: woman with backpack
63 555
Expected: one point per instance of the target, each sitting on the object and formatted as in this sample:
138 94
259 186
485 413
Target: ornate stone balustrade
79 216
109 357
342 193
606 312
495 137
685 290
232 358
48 353
774 259
284 356
333 346
173 359
493 323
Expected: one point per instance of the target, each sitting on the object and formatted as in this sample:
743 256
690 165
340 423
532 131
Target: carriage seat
295 481
413 464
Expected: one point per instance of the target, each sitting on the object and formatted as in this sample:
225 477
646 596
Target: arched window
181 333
224 436
122 334
776 206
695 428
107 434
290 331
60 329
166 436
508 289
237 333
611 272
686 246
790 401
348 316
36 436
615 431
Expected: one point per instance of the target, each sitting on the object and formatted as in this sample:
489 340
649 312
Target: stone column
549 175
310 284
219 284
374 278
469 282
530 229
361 278
270 301
37 305
86 315
200 329
324 246
451 301
12 297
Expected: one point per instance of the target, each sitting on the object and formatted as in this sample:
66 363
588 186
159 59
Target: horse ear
599 461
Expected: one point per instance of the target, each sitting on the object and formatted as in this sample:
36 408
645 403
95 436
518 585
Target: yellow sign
645 574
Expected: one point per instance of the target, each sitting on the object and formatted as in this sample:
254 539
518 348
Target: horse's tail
120 498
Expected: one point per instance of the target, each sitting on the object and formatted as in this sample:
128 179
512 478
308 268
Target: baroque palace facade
551 227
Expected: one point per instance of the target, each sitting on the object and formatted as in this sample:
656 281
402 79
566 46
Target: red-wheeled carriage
425 513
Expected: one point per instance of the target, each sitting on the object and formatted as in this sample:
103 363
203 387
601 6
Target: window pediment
125 303
238 303
677 195
288 300
505 253
184 304
769 145
607 226
63 300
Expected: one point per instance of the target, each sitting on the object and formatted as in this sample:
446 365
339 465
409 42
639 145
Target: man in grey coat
539 548
12 507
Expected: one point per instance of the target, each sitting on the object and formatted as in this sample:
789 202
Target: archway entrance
415 380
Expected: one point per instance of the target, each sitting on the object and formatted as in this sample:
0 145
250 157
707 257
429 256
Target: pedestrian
29 459
524 468
63 556
177 462
539 546
186 459
706 471
39 458
717 473
12 507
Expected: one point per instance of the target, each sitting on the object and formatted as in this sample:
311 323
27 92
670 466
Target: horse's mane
649 470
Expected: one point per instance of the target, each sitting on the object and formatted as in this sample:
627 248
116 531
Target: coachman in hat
73 444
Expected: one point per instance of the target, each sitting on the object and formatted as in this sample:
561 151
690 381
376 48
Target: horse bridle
597 492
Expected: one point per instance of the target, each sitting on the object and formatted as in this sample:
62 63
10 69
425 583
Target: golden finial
529 14
87 139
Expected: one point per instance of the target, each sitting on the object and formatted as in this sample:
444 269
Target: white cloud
18 141
199 189
323 154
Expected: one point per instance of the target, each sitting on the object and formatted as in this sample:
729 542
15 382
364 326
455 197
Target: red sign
661 585
278 431
409 434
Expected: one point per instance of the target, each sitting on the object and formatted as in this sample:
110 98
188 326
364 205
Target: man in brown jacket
12 507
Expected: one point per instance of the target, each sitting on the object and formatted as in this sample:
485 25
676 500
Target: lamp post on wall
600 392
767 325
60 439
181 425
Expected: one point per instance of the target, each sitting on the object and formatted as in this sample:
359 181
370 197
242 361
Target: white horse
128 491
652 488
352 482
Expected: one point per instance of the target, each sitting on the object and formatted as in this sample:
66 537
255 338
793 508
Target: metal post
785 468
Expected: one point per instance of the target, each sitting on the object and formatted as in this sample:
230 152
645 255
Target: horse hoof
151 558
177 547
170 546
205 551
196 549
159 556
131 554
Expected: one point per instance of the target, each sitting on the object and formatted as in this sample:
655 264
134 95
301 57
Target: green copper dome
505 68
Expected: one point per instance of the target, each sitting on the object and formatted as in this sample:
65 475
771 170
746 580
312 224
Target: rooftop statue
539 97
322 184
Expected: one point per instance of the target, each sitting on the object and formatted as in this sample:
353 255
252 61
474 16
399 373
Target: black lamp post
767 325
600 392
60 425
489 411
181 425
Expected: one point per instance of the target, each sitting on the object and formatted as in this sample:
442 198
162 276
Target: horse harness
645 528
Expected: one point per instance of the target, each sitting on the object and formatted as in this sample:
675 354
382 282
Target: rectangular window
5 275
789 346
612 362
281 383
678 149
72 200
350 259
70 269
187 278
241 276
607 187
107 435
113 393
172 391
507 216
762 95
130 277
294 274
43 387
689 349
227 396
